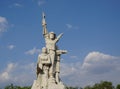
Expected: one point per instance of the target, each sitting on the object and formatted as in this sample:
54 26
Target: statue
48 65
43 64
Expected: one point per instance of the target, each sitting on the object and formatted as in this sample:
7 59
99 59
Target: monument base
36 85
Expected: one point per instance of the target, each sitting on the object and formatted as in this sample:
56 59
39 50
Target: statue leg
57 77
52 70
57 71
45 78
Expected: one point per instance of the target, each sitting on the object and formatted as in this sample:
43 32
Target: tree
118 86
106 85
11 86
88 87
70 87
101 85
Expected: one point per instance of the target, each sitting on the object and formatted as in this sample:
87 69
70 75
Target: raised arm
44 24
58 37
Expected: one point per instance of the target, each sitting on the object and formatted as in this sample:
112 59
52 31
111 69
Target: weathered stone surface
48 65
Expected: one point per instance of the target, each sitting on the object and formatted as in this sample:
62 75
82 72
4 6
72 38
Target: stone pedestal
36 85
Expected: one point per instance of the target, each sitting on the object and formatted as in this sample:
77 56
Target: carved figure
50 40
57 70
43 64
48 65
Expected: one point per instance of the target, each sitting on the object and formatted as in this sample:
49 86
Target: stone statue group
48 65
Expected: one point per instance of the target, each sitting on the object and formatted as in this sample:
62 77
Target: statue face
52 36
44 50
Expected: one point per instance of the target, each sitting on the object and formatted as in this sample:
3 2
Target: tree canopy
101 85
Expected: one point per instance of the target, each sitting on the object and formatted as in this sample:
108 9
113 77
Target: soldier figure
50 40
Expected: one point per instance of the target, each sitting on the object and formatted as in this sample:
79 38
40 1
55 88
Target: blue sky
91 35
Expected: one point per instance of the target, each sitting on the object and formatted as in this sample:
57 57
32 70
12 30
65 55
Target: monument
48 65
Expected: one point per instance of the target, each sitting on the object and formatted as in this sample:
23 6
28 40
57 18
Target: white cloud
40 2
3 24
16 73
6 74
68 69
10 47
95 67
33 51
96 62
74 57
17 5
69 26
24 74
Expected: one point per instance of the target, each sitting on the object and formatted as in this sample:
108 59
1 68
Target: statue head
44 50
52 35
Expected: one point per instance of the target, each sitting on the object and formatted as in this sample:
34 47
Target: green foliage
101 85
118 86
11 86
70 87
88 87
106 85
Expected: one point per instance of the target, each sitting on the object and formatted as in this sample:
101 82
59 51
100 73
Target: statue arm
44 24
45 32
39 62
59 52
58 37
38 69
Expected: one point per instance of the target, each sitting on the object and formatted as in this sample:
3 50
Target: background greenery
101 85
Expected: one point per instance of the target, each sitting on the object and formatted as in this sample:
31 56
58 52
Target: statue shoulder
46 36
